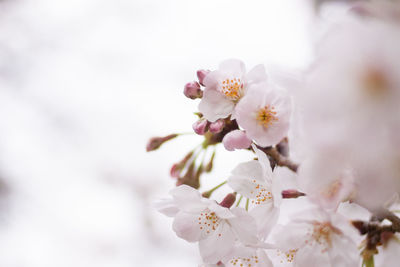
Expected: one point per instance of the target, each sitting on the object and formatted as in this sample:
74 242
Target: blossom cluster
341 121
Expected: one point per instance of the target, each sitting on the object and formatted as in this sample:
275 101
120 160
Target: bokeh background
83 85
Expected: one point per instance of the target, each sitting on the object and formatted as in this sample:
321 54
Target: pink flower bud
236 139
155 142
217 126
192 90
292 193
361 10
228 201
201 74
201 126
175 170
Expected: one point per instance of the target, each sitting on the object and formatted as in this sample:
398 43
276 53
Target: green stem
240 199
197 152
204 156
247 205
369 262
185 133
209 192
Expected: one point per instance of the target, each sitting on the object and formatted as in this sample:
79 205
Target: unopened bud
155 142
201 126
177 168
292 193
217 126
236 139
190 178
228 201
201 74
192 90
361 10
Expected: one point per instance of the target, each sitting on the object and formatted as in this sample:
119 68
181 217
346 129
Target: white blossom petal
266 216
214 105
233 67
243 176
244 226
218 245
256 75
186 226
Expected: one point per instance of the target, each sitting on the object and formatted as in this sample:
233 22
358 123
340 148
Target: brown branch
278 158
386 214
376 233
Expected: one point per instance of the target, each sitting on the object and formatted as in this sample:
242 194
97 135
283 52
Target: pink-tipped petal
201 74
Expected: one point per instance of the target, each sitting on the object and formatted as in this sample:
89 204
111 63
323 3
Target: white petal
290 236
311 256
250 168
186 226
264 161
188 199
167 207
389 254
264 259
266 216
211 80
233 67
243 176
256 75
218 245
214 105
276 190
184 192
244 226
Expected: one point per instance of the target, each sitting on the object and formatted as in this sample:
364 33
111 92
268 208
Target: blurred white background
83 85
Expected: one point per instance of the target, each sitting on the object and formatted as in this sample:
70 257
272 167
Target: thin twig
279 159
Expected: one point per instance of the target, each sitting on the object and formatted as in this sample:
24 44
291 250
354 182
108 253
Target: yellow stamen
266 116
233 89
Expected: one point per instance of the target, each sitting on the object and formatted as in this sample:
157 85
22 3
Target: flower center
375 82
244 262
232 89
260 193
322 234
266 116
331 191
208 221
287 256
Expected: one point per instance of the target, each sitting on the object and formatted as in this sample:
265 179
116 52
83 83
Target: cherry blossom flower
255 180
264 113
316 238
226 86
354 85
326 180
198 219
